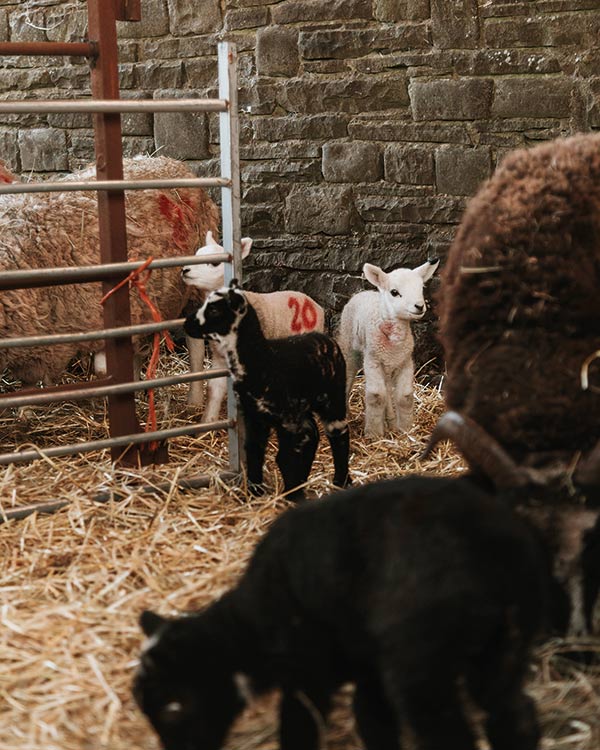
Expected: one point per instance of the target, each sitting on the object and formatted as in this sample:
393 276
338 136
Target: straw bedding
72 584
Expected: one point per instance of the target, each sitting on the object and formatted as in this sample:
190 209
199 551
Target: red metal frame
102 51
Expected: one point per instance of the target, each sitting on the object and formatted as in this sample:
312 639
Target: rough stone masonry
365 124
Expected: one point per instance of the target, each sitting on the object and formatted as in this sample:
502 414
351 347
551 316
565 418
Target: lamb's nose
419 308
185 271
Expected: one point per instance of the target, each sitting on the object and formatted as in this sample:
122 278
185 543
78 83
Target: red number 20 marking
305 315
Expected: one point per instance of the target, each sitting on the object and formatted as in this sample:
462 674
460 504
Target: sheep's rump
519 302
61 229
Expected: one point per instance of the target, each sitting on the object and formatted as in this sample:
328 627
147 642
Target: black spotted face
218 316
183 690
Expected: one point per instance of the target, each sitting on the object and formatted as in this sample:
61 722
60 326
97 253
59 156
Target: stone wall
365 124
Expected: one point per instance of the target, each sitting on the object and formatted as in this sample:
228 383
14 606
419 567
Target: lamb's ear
246 244
374 274
427 270
236 296
210 240
151 623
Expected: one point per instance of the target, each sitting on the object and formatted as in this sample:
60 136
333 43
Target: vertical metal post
111 217
230 208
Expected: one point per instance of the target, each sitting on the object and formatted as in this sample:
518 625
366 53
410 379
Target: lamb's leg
352 366
437 697
403 398
375 398
255 445
196 352
217 388
297 448
339 439
302 719
512 724
376 720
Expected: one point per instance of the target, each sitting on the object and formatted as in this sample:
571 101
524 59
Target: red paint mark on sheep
178 217
305 315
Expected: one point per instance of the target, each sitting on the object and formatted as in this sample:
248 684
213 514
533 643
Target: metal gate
128 444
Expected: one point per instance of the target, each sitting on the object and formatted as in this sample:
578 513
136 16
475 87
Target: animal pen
127 443
73 583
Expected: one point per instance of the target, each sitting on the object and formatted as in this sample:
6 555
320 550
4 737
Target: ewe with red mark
280 314
42 230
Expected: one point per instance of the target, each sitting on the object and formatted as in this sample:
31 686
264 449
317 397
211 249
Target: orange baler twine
135 280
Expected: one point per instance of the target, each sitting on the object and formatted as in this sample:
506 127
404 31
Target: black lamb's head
219 315
182 685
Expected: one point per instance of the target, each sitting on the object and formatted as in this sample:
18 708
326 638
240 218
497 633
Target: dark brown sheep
519 304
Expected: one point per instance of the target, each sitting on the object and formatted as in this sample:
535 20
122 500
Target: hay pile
72 584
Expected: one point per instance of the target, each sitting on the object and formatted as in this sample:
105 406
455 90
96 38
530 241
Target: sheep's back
519 304
61 229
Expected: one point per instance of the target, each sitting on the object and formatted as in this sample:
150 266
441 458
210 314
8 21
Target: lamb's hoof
296 496
342 484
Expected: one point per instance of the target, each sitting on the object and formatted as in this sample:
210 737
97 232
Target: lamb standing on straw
41 230
375 333
282 313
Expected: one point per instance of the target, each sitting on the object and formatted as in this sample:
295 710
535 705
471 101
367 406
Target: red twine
135 280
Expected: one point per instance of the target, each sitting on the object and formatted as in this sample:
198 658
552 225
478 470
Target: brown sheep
42 230
519 303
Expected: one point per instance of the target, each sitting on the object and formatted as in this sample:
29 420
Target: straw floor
72 584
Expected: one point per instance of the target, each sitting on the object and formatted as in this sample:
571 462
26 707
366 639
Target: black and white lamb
280 383
420 591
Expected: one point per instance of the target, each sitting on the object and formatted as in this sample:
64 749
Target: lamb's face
210 276
401 290
219 316
183 688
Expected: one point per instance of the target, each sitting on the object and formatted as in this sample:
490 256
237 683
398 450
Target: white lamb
280 314
375 333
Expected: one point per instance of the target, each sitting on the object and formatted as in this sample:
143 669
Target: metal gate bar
106 106
53 106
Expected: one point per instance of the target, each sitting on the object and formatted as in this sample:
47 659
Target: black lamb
421 591
280 383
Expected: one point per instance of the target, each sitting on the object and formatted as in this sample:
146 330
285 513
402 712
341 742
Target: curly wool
519 304
61 229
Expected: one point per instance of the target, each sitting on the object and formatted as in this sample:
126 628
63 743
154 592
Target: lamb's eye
395 293
215 265
212 312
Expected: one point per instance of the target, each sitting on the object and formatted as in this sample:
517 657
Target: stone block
351 95
182 135
28 26
135 145
154 23
352 162
392 11
198 17
314 210
533 96
200 73
320 127
460 171
348 43
9 149
246 18
43 150
455 23
155 75
296 11
70 120
409 165
450 99
367 129
4 27
277 51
